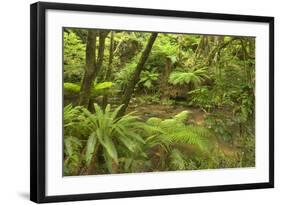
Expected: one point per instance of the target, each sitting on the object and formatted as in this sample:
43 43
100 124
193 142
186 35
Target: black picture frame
38 101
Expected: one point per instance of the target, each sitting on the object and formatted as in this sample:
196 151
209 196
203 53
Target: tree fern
194 77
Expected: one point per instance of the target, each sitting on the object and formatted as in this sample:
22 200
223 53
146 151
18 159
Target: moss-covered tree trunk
135 78
93 64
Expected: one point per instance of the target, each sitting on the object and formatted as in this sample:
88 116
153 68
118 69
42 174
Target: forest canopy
148 101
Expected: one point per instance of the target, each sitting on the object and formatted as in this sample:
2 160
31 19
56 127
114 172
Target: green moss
96 90
71 88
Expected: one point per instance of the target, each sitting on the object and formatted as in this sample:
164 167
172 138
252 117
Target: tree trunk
164 85
216 49
90 67
131 85
109 69
93 64
202 49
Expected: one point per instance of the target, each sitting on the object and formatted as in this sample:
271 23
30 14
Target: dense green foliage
191 102
74 57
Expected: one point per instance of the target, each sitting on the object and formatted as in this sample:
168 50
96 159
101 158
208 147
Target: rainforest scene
152 101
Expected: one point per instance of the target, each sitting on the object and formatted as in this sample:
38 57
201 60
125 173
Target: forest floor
196 115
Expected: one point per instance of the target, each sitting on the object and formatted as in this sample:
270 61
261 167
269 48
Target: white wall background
14 100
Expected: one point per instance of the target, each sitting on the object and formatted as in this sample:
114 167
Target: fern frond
154 121
174 130
182 116
195 77
177 161
113 132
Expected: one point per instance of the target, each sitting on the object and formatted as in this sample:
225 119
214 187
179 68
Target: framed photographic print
129 102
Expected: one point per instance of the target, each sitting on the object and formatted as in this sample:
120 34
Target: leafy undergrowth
101 142
147 101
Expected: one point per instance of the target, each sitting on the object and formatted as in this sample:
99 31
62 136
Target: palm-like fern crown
193 76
